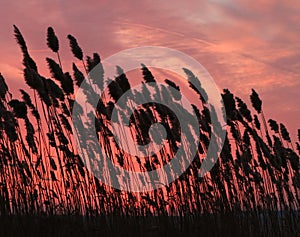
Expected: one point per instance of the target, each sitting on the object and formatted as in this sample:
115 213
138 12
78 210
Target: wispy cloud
243 44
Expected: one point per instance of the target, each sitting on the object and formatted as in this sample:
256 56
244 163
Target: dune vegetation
45 187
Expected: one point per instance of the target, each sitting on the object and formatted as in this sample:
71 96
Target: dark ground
205 225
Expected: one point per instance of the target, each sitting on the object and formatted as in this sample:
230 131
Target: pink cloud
243 44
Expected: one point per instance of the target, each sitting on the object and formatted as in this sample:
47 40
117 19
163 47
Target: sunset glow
243 44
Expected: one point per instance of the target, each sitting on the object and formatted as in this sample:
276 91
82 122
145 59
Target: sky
243 44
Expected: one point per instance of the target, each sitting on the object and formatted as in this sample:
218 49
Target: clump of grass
255 181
